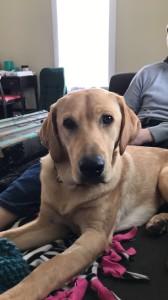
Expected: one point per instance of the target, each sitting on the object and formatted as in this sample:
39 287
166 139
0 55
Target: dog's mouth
91 181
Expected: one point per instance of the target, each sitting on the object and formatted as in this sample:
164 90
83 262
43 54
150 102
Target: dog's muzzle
91 169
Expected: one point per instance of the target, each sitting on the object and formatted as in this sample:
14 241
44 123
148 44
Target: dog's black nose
91 167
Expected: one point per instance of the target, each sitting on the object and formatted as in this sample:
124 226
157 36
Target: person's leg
22 197
6 218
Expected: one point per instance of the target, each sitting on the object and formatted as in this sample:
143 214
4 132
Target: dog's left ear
130 125
49 135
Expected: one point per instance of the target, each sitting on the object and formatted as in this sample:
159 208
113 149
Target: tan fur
134 185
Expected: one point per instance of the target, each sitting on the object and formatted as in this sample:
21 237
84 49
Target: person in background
147 95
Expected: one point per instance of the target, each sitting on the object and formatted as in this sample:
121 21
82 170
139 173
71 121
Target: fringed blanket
14 266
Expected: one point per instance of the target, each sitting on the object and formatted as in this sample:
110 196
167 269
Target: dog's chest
65 200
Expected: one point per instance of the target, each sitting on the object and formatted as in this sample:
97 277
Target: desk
25 82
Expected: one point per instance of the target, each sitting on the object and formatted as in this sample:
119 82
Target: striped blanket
113 262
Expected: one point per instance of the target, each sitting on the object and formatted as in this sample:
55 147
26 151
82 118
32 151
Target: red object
102 292
76 293
10 93
8 98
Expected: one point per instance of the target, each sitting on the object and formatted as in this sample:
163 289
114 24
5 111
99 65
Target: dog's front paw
158 224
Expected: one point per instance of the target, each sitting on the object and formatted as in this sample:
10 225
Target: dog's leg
34 234
158 224
54 273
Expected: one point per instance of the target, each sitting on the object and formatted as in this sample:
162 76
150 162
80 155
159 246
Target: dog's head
87 128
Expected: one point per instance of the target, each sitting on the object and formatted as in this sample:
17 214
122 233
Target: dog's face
86 128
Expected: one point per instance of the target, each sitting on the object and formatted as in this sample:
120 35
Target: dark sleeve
22 197
160 132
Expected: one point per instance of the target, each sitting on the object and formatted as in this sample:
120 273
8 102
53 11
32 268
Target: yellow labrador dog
91 183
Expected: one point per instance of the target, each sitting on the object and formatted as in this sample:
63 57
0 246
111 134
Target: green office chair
52 86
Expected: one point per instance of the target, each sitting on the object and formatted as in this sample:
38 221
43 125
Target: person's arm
159 132
156 134
144 136
133 95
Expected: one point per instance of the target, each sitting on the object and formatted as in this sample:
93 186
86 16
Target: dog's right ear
49 135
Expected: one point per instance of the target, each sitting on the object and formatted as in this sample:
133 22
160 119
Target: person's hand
144 136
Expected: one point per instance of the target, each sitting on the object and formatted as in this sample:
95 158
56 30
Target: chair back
1 92
10 93
120 82
11 85
52 86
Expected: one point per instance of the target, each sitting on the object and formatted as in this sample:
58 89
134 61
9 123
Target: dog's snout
91 167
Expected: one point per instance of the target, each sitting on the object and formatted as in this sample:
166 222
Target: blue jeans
22 197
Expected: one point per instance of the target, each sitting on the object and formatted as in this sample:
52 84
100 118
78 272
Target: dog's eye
70 124
106 119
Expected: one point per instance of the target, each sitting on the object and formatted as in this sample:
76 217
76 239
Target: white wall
140 33
26 33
